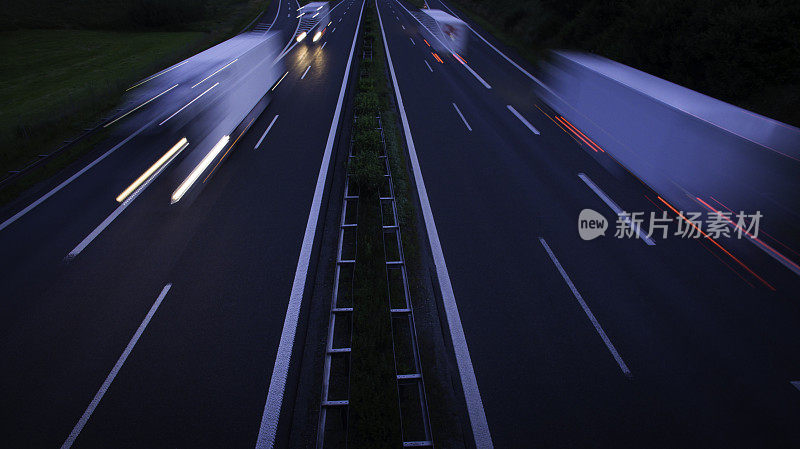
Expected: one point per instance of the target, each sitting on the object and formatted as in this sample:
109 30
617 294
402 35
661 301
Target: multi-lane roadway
562 342
174 324
145 323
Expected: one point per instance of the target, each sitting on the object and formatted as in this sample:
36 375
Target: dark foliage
746 52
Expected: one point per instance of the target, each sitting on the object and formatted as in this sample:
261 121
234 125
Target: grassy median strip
374 415
63 66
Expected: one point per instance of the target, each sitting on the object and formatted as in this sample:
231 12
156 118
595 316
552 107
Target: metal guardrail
412 401
336 366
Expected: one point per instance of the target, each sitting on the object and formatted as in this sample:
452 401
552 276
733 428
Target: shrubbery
746 52
113 14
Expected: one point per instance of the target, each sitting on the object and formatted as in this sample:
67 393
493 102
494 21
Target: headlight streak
317 36
137 107
198 170
279 81
174 151
228 150
209 76
301 36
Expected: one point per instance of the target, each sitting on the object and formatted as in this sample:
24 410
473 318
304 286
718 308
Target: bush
366 171
156 13
366 103
741 51
365 123
366 84
367 141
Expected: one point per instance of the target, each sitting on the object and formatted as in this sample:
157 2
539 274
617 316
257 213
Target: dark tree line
746 52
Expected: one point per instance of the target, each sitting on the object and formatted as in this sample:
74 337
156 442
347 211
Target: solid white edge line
110 378
47 195
188 104
278 11
622 366
159 74
137 107
522 119
461 60
618 210
469 384
113 216
265 132
462 117
304 73
517 66
217 71
475 74
277 383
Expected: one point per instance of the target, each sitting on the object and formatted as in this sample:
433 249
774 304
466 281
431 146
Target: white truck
313 21
446 33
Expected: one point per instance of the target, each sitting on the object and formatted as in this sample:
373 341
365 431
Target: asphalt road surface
207 281
603 343
151 324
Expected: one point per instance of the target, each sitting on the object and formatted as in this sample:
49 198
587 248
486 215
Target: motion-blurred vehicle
313 21
446 33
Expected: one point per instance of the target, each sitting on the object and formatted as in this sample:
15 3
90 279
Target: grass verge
56 82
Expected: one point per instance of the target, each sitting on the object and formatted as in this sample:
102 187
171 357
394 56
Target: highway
208 282
607 343
162 317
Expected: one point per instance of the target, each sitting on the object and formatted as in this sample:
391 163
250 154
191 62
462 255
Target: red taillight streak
773 250
584 135
717 245
705 247
762 231
653 203
228 150
576 134
581 135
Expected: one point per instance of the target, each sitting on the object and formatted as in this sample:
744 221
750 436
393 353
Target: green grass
374 415
374 418
54 80
62 78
